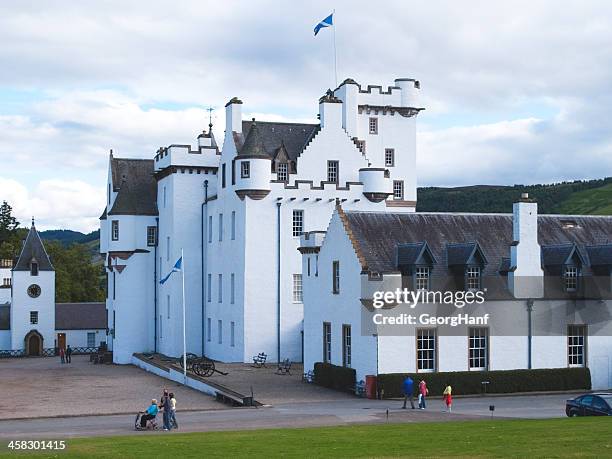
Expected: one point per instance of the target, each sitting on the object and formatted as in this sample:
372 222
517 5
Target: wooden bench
260 360
284 368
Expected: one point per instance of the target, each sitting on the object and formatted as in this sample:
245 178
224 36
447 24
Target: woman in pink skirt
448 397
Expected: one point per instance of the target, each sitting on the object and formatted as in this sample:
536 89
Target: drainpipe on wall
155 283
278 281
202 225
529 332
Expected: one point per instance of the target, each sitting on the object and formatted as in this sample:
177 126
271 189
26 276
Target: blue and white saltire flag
327 22
175 268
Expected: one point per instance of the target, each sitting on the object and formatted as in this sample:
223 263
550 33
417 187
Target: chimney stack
526 278
233 116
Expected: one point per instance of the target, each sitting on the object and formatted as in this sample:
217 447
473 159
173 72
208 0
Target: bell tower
33 297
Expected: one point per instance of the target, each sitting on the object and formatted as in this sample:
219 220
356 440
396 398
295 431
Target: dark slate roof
409 254
80 316
600 255
253 144
377 234
295 136
556 255
5 317
33 248
460 254
136 186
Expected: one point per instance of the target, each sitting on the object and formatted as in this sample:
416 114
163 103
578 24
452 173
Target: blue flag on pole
175 268
327 22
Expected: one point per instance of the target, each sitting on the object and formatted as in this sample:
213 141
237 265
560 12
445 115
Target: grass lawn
582 437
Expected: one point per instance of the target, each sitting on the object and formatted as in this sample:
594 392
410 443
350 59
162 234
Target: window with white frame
332 171
220 331
115 230
472 278
220 227
209 329
373 125
209 288
33 268
576 345
282 172
298 222
346 346
421 278
232 288
245 169
297 288
151 236
389 157
398 189
6 282
210 228
91 339
220 289
327 342
570 278
232 334
426 349
478 348
233 225
336 276
33 317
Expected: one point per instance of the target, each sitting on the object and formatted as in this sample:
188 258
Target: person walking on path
408 388
173 422
62 355
448 397
166 405
69 354
423 391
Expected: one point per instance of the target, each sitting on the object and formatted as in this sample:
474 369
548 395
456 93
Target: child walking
448 397
173 422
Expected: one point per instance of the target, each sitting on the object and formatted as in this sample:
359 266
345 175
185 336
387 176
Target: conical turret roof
254 144
33 250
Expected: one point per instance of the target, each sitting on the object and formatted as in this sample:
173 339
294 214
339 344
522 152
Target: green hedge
334 377
500 382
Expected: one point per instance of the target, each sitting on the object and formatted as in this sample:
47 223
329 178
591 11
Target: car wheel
573 414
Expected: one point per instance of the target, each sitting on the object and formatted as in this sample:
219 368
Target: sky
515 92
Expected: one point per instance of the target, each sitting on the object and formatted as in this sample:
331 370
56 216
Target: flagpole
335 57
184 334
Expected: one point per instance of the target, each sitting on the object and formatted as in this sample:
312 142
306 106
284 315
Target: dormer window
34 268
472 278
245 169
570 278
282 172
421 278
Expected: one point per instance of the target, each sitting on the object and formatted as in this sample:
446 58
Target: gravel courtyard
36 387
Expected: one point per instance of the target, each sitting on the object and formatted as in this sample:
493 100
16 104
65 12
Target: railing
46 352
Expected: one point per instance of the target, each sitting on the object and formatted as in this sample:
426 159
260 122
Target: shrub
334 377
500 381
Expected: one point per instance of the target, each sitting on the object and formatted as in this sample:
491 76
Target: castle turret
376 183
410 91
253 167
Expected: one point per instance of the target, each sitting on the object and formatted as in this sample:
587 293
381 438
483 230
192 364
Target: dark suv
599 404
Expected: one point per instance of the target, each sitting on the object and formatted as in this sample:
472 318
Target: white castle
238 213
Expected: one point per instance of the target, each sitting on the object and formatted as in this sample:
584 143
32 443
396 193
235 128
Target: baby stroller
151 424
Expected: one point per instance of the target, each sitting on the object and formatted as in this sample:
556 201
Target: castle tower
33 302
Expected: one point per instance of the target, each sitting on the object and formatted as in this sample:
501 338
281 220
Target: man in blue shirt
408 388
151 413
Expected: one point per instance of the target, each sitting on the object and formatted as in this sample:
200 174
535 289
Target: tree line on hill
77 277
499 199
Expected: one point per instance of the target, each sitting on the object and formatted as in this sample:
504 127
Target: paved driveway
33 387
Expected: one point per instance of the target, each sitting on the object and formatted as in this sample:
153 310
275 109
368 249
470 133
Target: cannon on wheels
205 367
191 358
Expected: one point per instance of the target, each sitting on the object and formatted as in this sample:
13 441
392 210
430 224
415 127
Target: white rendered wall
22 305
321 305
78 338
5 340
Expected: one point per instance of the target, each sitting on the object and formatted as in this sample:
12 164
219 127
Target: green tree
9 234
76 277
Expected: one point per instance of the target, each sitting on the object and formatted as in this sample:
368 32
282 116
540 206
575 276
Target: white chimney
233 115
526 278
330 110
